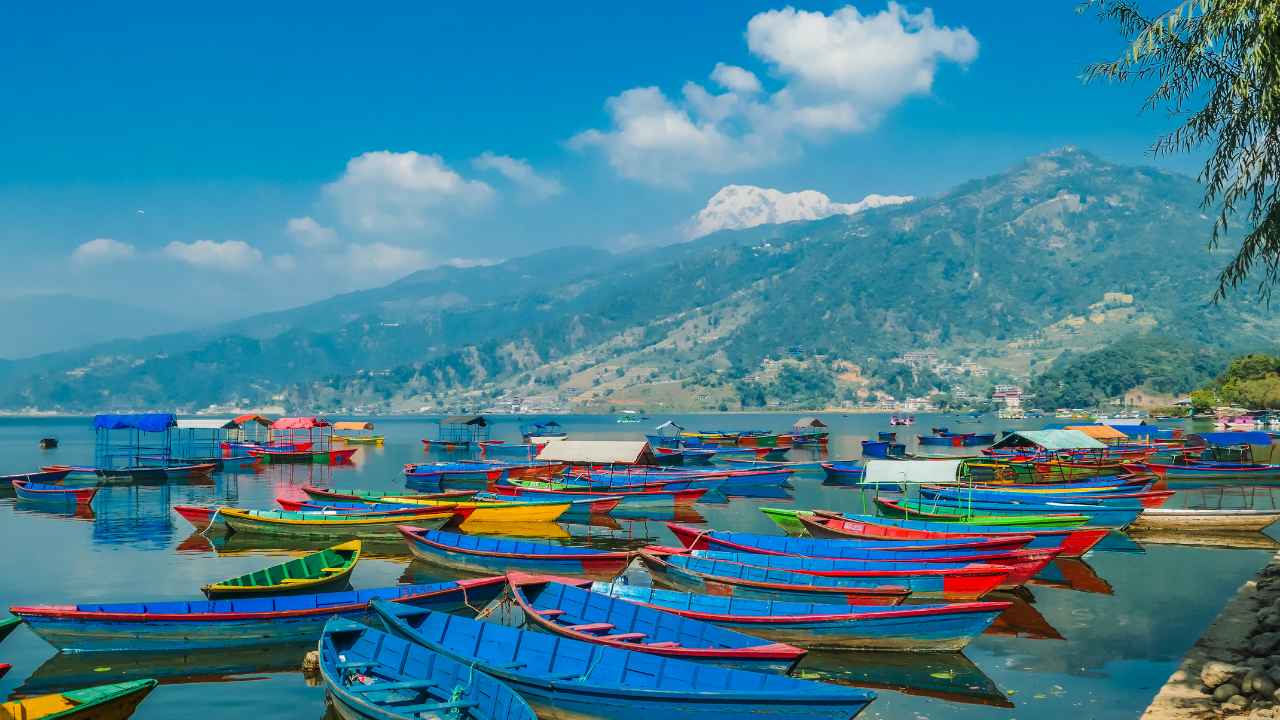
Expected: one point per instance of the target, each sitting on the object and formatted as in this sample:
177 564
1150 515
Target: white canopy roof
205 424
912 472
604 452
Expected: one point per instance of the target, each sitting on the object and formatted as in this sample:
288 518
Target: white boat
1176 518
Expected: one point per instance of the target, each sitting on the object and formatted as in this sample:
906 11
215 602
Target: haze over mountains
1062 252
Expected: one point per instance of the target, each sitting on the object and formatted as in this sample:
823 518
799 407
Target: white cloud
520 172
840 73
100 250
732 77
380 259
744 206
310 234
229 255
285 262
388 191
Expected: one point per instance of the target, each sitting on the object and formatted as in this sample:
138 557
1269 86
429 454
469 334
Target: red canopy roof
242 419
299 423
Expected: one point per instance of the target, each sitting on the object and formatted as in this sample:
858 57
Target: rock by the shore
1215 673
1223 693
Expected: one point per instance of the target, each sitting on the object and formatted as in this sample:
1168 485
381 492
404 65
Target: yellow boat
329 569
364 433
116 701
480 511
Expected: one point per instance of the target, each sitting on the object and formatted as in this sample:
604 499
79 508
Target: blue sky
263 156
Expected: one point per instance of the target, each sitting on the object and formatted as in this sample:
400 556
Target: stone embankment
1233 671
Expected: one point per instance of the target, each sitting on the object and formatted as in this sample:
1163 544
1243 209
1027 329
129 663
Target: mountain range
990 281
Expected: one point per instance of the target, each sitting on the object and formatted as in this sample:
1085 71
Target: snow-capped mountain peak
742 206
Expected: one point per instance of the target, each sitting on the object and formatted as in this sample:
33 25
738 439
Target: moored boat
325 525
53 494
910 628
371 675
358 494
8 625
1070 542
46 475
969 582
717 577
242 622
908 509
701 539
487 555
578 613
324 570
564 679
1218 519
116 701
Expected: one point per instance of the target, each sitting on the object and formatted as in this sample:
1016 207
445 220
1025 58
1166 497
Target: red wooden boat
198 515
323 457
698 539
1071 542
319 506
4 669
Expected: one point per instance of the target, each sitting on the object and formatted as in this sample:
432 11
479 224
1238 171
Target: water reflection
65 671
946 676
1072 574
1022 619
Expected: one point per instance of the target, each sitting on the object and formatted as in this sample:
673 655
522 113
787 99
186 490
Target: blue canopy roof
1235 438
146 422
1144 431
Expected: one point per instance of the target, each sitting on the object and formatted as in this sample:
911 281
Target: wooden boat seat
592 627
291 581
405 685
665 644
332 570
625 637
551 612
432 707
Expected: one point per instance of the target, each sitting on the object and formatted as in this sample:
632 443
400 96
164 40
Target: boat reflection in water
67 671
254 544
946 676
1206 538
1022 619
1072 574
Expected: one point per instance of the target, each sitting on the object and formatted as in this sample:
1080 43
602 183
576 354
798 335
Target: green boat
785 519
329 569
918 510
103 702
8 625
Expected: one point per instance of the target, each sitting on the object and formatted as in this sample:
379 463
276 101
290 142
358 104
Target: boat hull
488 556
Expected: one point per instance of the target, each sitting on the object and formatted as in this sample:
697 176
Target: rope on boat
213 519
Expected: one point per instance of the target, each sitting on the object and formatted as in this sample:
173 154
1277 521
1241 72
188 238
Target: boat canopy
1099 432
1144 432
352 425
464 420
809 422
1232 438
146 422
604 452
241 420
669 425
299 423
912 472
1049 440
206 424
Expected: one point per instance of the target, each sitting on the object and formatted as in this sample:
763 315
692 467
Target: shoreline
1226 658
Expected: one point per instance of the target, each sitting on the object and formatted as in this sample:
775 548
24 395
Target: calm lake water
1093 638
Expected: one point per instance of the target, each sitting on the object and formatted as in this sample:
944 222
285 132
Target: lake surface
1094 638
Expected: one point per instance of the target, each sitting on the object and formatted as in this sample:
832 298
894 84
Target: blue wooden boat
701 539
968 582
183 625
487 555
947 440
44 476
54 494
1023 563
1098 515
509 451
717 577
910 628
418 473
564 679
882 449
844 473
370 675
537 603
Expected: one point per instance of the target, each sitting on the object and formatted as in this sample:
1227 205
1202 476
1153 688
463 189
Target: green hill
1064 252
